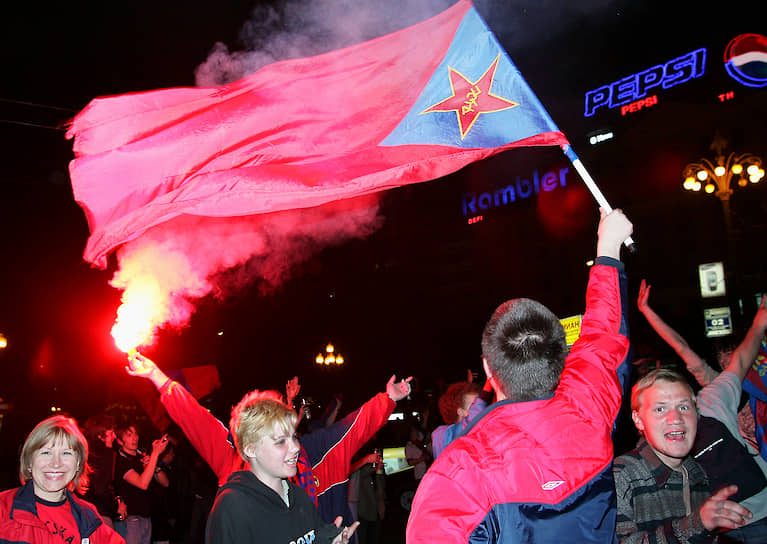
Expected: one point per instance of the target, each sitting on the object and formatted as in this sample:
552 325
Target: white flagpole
593 188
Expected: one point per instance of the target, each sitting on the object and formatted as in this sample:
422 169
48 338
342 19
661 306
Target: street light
717 177
330 356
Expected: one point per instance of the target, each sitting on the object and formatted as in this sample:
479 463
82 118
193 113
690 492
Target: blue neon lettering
596 98
522 188
623 91
549 181
504 196
684 68
678 70
649 79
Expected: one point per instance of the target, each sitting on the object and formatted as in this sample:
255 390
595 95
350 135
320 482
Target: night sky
413 297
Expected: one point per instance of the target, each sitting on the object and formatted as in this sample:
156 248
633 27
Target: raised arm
143 480
292 389
206 433
744 355
703 373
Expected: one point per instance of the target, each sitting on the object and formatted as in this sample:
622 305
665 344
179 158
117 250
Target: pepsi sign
634 87
745 60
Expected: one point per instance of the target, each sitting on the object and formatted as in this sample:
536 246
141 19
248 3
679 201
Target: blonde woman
260 504
44 509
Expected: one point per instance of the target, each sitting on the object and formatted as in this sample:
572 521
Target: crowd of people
525 454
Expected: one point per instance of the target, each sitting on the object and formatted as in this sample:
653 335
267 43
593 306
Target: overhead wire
61 126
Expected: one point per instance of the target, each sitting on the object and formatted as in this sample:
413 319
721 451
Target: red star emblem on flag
470 99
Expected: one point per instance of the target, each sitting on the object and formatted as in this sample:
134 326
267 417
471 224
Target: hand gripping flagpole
593 188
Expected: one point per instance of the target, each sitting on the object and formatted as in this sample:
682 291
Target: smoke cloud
166 270
304 28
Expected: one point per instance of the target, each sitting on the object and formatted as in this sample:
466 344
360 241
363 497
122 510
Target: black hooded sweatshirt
246 511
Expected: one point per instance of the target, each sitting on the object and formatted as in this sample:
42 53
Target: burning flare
138 316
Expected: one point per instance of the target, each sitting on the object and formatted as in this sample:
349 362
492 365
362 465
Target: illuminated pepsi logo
745 59
634 87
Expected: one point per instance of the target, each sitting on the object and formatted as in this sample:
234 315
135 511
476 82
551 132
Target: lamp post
717 177
330 357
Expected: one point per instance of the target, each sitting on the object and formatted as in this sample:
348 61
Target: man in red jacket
536 465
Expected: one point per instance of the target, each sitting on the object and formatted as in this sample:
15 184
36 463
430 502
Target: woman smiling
44 509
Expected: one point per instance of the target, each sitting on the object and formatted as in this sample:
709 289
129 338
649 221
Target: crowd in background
196 479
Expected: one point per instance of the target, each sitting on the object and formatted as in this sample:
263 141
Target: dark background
412 298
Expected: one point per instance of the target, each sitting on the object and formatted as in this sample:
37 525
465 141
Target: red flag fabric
200 381
404 108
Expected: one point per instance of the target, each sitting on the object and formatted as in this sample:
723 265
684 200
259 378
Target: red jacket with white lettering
19 523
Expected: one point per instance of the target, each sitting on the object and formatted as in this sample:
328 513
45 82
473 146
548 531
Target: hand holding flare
144 367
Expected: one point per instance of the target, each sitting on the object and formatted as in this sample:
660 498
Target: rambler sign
521 188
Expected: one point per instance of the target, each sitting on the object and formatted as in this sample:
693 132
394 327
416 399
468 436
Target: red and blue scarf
755 385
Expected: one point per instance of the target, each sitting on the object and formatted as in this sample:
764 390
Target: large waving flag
404 108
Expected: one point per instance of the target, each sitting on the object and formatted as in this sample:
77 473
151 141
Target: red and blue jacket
19 523
538 471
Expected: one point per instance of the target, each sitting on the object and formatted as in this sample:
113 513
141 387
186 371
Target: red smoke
171 266
566 212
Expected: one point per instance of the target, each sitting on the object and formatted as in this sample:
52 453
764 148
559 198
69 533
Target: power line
36 105
36 125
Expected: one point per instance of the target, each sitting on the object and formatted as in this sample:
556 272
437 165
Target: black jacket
247 511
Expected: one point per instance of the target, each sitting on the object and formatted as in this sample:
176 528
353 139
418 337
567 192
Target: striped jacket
651 505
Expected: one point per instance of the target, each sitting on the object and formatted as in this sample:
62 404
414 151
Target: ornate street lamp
330 357
717 177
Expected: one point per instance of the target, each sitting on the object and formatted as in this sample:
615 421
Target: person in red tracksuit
325 455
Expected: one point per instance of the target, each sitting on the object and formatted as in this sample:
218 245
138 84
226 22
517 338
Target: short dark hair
452 399
524 346
96 426
123 428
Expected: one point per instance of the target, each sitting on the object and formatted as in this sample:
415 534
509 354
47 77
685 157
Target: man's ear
637 421
488 372
493 382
